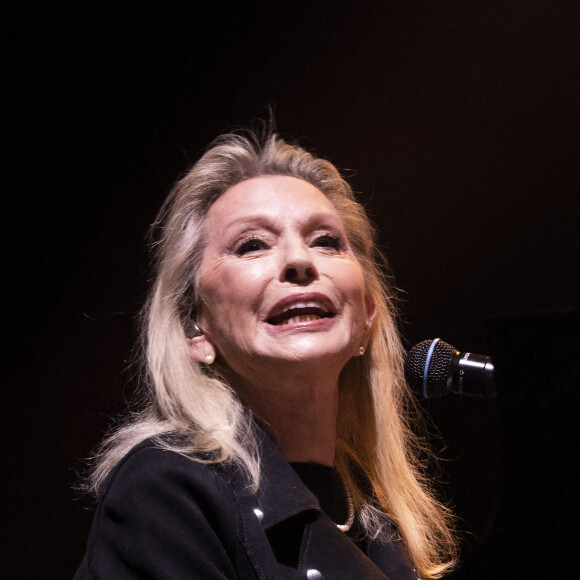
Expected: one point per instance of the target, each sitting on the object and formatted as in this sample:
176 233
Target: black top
326 484
164 516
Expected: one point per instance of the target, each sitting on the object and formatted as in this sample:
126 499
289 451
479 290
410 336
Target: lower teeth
303 318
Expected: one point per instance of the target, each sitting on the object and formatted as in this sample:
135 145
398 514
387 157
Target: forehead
271 197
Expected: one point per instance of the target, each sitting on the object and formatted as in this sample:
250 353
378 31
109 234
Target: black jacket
164 516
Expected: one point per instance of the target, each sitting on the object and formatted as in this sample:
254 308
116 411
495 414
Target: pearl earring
209 359
361 350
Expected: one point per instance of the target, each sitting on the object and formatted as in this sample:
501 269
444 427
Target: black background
456 121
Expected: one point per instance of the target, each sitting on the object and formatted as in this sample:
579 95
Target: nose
298 266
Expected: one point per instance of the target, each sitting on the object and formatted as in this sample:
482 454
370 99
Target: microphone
434 369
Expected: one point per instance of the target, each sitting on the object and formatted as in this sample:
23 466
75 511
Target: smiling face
278 281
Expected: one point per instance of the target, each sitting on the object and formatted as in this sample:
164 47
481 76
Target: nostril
300 274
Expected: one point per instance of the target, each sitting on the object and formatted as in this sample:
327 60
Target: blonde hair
374 434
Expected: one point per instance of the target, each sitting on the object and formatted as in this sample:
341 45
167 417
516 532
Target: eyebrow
264 221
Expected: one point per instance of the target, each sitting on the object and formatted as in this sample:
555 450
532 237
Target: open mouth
306 311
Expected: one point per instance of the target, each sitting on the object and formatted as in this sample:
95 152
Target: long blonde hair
376 410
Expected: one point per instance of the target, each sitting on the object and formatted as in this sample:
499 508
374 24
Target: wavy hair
376 411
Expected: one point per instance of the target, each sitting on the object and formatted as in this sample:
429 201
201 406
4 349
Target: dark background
457 121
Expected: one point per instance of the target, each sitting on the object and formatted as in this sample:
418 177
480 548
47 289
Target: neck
299 414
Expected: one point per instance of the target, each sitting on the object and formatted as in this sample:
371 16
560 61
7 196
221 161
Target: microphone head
427 368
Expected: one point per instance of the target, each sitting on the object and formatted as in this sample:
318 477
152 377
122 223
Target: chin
306 351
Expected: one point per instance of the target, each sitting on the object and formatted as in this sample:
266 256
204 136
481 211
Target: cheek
212 283
353 286
358 302
230 291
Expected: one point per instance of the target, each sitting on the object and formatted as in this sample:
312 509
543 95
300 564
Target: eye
328 241
251 245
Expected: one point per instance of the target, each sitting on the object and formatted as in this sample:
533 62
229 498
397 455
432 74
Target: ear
201 349
371 312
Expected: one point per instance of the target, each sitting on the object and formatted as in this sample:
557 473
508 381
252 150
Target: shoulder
162 513
148 454
149 473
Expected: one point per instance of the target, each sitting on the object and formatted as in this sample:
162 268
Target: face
278 282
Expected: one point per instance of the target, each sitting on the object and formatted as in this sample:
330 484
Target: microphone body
434 368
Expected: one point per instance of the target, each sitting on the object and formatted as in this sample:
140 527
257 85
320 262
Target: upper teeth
308 304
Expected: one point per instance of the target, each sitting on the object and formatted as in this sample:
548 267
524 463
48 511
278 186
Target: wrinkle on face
237 291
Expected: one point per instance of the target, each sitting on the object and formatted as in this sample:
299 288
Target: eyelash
246 246
326 241
331 241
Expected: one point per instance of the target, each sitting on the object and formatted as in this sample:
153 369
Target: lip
286 302
321 324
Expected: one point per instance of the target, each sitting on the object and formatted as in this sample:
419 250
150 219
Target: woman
274 439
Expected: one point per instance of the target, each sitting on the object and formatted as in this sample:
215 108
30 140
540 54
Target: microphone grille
438 371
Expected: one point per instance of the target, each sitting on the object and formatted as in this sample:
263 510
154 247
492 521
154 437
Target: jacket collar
282 494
